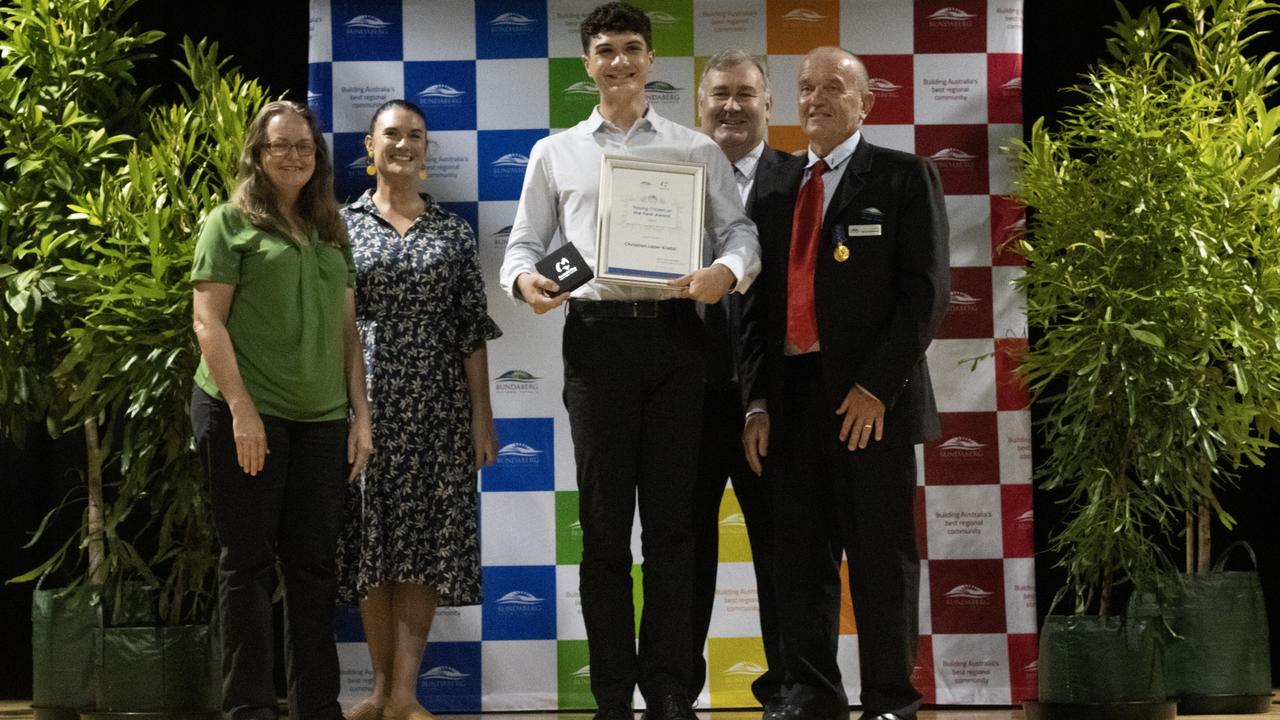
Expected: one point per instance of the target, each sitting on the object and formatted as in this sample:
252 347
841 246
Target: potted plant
96 291
1153 297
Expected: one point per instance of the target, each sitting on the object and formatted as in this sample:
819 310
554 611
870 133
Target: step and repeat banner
494 76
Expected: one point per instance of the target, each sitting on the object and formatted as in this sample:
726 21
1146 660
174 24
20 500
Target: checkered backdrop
493 77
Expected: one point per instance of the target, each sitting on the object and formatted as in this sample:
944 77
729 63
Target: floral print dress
420 308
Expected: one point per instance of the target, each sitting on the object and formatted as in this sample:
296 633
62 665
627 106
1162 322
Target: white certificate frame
649 220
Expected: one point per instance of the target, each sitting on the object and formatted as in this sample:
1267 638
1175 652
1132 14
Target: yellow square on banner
735 546
732 665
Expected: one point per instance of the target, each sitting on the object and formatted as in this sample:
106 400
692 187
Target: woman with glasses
411 540
281 371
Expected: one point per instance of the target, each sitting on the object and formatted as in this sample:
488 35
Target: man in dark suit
734 103
854 284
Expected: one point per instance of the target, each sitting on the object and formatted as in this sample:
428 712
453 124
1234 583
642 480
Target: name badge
864 230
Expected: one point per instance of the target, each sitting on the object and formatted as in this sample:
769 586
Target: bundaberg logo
582 673
961 446
884 88
953 157
968 595
444 674
582 87
512 20
516 381
734 522
950 17
367 22
658 17
520 601
661 87
963 299
440 94
744 668
804 15
518 454
512 160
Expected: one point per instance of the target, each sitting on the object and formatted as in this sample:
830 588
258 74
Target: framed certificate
649 226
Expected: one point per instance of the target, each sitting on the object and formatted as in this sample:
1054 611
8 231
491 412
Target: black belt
630 309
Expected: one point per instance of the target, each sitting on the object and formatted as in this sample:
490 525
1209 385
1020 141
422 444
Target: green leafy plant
1153 288
119 354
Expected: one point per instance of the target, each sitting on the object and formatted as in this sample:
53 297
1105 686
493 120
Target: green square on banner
568 529
573 676
672 24
637 592
572 94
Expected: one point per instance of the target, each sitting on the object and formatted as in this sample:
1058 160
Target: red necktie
806 223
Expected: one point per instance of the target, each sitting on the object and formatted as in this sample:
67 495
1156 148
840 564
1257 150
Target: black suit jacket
877 312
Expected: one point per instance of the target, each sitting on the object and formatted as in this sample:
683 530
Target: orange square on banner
795 27
848 626
787 138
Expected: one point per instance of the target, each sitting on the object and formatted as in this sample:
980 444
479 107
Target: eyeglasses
280 148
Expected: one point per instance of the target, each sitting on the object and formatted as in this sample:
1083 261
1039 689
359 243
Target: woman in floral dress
411 540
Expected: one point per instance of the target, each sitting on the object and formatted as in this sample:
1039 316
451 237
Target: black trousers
290 513
721 458
633 390
862 503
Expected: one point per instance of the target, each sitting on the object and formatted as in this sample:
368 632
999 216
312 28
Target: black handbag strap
1226 555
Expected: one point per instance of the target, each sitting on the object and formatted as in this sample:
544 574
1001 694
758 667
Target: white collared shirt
746 171
561 191
837 161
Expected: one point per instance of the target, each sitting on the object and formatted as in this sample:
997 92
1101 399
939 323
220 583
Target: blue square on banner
503 157
320 93
349 162
511 29
367 30
446 92
519 602
469 211
347 626
450 677
526 456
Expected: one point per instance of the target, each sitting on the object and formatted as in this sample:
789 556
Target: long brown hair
256 196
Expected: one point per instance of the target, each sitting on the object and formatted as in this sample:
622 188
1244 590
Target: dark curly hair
615 17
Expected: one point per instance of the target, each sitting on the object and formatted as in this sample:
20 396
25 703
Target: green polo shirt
285 320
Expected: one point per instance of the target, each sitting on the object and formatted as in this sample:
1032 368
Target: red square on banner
922 676
967 453
1024 667
1018 521
969 311
967 596
960 152
1004 88
1011 392
951 26
893 82
922 528
1008 224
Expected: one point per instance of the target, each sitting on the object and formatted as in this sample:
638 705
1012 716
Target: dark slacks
861 502
633 390
721 458
290 513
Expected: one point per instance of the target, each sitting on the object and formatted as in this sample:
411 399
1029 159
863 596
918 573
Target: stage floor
20 710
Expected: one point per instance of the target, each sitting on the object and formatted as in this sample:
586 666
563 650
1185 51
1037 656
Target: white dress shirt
561 189
745 171
836 164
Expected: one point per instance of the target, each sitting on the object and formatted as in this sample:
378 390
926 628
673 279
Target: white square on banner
569 623
517 528
356 673
919 450
971 669
894 137
850 666
970 219
672 89
960 385
1014 431
926 606
1004 26
736 611
1008 304
1004 165
320 31
456 624
512 94
877 27
964 522
783 71
518 674
360 87
720 24
951 89
439 30
451 165
1020 595
566 466
563 19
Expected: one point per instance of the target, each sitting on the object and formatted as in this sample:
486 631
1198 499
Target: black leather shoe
614 712
889 716
779 709
669 707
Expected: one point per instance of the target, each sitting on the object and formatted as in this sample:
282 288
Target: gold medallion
841 252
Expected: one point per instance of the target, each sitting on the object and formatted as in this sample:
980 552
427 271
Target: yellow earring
369 169
422 174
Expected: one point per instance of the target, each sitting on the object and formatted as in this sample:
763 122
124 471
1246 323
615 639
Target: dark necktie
806 223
